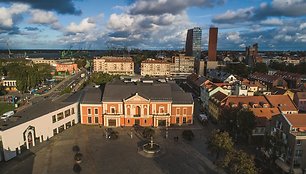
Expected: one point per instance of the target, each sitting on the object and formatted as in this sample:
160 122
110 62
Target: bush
188 135
148 132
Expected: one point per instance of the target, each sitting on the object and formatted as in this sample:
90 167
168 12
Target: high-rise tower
212 44
194 42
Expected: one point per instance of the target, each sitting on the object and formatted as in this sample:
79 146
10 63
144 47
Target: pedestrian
131 134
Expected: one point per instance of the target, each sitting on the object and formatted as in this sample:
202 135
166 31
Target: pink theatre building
145 104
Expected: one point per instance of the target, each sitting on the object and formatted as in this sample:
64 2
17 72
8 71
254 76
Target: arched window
145 111
138 110
128 111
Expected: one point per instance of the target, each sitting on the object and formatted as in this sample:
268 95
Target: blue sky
151 24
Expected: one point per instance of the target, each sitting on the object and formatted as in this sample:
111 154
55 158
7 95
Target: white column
33 138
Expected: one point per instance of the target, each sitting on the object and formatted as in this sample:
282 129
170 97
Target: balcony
137 115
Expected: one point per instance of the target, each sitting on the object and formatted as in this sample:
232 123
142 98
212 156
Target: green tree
260 67
238 162
102 78
148 132
81 63
238 122
220 142
239 69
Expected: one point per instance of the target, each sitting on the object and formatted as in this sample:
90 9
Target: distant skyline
151 24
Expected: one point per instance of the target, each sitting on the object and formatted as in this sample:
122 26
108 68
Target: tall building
194 42
251 54
212 45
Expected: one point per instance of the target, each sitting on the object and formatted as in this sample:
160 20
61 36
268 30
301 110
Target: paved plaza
101 155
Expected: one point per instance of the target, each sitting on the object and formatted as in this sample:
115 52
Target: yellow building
215 104
152 67
114 65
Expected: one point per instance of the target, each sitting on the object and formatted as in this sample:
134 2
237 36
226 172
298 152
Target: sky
151 24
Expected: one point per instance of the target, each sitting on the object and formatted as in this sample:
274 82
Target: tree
220 142
246 122
239 69
148 132
238 122
81 63
238 162
101 78
260 67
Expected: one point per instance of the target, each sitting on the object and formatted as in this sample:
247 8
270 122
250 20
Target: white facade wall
13 138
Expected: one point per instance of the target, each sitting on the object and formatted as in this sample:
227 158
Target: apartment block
114 65
152 67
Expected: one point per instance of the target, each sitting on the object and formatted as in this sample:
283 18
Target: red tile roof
283 102
297 120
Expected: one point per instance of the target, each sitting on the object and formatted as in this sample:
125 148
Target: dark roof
118 91
181 98
32 112
38 110
92 96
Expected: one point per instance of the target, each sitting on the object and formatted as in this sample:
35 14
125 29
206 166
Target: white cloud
240 15
7 14
45 18
85 25
234 37
272 21
303 25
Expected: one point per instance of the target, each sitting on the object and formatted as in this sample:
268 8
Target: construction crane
10 54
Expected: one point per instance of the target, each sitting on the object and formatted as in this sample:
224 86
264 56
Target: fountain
151 147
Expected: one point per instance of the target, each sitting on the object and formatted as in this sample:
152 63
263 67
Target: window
161 109
128 121
67 113
60 116
53 119
96 111
298 142
145 121
97 120
184 120
55 131
68 125
73 122
61 129
177 120
89 119
72 110
113 110
185 111
299 153
89 111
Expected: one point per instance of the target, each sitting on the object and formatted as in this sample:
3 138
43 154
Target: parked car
7 115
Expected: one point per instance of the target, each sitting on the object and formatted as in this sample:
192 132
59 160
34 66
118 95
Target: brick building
67 67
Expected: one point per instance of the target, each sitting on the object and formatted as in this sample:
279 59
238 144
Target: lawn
4 107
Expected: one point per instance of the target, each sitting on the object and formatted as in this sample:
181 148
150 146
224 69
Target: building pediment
136 98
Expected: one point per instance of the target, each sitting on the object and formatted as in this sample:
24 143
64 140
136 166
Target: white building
36 124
